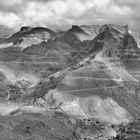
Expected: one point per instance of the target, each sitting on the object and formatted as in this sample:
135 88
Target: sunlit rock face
85 32
28 36
106 110
33 40
92 30
79 84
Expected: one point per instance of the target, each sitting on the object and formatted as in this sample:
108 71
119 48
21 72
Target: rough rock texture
80 84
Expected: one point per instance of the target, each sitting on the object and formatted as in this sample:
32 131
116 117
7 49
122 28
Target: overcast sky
64 13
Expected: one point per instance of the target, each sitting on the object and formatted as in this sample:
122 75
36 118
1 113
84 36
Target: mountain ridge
83 83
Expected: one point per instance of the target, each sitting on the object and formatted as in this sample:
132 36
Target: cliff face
83 83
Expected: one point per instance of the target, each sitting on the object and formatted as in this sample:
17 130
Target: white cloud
9 19
63 13
9 3
60 12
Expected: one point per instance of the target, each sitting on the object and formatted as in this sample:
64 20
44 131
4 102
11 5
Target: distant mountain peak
76 29
25 28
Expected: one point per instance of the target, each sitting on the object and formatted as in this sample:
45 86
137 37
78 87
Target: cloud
9 19
8 3
63 13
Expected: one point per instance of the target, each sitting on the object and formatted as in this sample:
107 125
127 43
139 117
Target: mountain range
79 84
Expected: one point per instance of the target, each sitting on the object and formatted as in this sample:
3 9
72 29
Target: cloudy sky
63 13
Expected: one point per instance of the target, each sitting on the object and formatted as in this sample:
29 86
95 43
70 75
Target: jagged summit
25 29
122 29
77 29
113 39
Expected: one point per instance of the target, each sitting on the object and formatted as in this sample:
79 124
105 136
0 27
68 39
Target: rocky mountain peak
25 29
76 29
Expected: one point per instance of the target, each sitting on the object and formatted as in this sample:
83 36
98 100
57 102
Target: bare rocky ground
80 84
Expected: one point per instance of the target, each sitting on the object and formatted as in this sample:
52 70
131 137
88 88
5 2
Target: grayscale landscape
79 83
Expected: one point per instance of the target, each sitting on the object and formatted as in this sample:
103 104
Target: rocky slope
79 84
